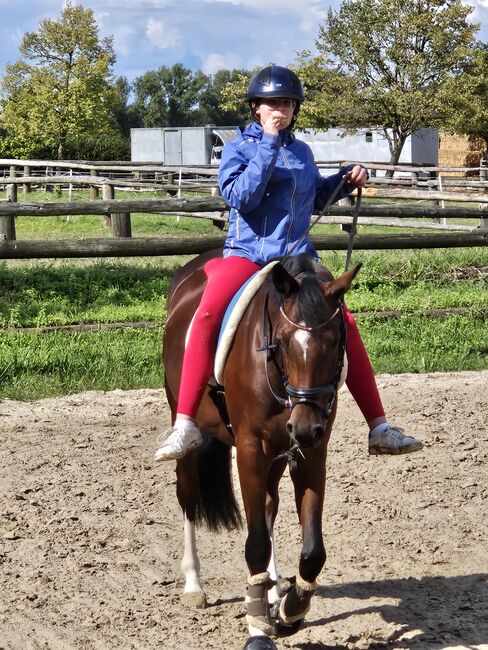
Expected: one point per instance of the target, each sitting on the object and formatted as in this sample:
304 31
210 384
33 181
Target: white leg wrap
303 584
257 616
297 601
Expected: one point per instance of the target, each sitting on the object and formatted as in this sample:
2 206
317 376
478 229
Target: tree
168 97
467 97
213 108
62 87
233 94
323 86
396 55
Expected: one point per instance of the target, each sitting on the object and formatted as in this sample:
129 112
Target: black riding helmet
275 81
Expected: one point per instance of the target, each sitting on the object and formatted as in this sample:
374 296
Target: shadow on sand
432 612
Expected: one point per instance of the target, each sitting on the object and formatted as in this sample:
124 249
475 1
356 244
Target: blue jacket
272 186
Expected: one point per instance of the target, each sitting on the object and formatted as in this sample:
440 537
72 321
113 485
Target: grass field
62 292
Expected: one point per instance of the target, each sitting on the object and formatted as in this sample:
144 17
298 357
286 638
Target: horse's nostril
318 432
289 427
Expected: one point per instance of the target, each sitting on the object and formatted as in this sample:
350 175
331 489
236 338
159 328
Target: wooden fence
411 183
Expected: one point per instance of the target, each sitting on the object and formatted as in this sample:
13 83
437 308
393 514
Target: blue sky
201 34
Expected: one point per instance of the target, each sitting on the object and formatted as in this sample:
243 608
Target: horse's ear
283 281
338 287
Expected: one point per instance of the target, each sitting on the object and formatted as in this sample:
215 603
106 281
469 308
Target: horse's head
310 335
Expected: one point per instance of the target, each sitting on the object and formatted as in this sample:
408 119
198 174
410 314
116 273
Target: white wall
370 146
147 145
365 146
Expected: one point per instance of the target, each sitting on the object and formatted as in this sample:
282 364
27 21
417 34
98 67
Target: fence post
26 187
119 222
49 188
108 195
7 222
215 191
171 181
483 177
94 188
347 200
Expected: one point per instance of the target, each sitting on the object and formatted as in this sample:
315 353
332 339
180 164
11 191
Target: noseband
299 394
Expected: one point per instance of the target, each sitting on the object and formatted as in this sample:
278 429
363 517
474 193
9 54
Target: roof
226 135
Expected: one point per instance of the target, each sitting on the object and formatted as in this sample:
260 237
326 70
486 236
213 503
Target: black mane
298 264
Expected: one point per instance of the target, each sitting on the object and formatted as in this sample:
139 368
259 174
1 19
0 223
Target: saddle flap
233 315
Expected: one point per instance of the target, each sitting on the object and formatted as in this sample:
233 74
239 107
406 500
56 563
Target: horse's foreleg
309 494
186 490
252 474
272 503
274 591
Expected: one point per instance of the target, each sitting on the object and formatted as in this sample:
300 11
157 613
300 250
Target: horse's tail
217 505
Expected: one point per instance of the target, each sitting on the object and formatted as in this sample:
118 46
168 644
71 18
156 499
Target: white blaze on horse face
302 337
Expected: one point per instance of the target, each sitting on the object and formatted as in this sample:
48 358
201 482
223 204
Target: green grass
34 366
62 292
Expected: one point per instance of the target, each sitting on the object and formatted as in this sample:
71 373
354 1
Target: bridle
296 395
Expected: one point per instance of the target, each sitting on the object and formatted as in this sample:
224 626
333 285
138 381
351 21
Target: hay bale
460 150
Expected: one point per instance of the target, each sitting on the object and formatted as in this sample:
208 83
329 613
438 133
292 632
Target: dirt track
91 535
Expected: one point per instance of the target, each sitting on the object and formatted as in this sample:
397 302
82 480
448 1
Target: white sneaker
392 440
178 441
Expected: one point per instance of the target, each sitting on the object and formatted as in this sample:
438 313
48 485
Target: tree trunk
396 144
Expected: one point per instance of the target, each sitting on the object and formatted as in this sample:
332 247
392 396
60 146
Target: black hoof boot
259 643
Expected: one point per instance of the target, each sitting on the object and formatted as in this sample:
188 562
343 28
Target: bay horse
277 405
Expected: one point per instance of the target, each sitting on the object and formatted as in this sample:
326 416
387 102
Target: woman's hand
276 122
358 176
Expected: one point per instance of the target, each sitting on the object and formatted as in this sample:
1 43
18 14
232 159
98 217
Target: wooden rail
201 180
151 246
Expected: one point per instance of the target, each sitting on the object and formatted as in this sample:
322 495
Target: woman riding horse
272 185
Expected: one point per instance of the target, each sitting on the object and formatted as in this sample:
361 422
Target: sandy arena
91 532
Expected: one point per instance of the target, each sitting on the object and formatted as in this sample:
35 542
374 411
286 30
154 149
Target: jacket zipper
263 238
293 194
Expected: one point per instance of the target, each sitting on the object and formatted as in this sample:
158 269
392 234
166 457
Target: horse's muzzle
305 436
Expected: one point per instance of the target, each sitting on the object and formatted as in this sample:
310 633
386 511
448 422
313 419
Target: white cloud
161 35
309 12
214 62
123 36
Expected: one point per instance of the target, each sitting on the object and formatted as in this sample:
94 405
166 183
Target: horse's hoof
195 599
259 643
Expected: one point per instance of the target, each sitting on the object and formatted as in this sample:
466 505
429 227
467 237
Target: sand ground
91 532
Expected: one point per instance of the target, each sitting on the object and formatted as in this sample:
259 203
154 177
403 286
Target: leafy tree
233 94
122 90
467 97
396 55
213 109
168 97
323 85
61 88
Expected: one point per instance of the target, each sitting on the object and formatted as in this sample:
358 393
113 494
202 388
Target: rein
352 230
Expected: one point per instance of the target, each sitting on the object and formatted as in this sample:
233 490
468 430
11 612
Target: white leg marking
302 337
190 564
273 593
